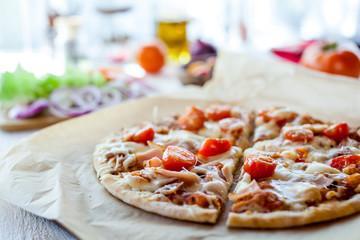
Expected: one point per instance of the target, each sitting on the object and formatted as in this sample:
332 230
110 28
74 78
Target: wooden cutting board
39 121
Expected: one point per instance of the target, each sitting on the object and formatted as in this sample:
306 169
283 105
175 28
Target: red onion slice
26 111
88 96
110 96
70 102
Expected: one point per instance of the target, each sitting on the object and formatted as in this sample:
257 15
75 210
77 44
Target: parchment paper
51 173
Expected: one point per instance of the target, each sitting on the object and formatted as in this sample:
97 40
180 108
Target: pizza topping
217 112
279 115
347 150
299 135
231 125
316 167
194 198
144 156
146 180
246 189
266 131
302 152
337 132
170 188
156 146
261 201
177 158
153 162
192 119
259 166
197 199
348 164
211 147
187 176
143 135
321 180
353 181
219 188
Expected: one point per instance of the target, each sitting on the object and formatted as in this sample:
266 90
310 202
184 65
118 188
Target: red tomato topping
299 135
143 135
176 158
302 152
345 161
217 112
259 166
192 119
337 132
264 115
300 160
211 147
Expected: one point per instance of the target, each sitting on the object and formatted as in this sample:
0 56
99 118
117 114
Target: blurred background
111 30
156 44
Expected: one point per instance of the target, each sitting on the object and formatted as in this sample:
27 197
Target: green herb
330 46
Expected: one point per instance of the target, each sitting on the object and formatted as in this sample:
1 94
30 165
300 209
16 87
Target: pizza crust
141 199
283 219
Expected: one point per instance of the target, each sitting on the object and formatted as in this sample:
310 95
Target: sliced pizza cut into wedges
308 173
176 173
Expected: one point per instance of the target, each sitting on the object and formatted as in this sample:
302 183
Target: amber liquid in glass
173 34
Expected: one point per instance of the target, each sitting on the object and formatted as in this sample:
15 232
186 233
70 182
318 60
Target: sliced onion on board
88 96
28 110
69 102
110 96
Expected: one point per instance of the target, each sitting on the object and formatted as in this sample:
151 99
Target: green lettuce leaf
22 86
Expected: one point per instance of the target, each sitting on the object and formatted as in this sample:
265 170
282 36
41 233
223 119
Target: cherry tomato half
217 112
337 132
211 147
176 158
328 57
192 119
299 135
144 135
344 161
259 166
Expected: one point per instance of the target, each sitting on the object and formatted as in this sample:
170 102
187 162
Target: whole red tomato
330 58
151 57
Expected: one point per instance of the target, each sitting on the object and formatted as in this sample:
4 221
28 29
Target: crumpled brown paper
51 173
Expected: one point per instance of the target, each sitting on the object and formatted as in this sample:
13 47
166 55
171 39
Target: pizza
303 171
294 169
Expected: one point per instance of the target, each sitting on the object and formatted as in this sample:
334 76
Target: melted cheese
210 130
243 183
316 167
297 194
156 180
177 135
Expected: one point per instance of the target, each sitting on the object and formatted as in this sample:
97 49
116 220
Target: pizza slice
216 121
269 121
309 172
174 173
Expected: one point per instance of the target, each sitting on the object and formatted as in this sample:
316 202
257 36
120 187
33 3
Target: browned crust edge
140 199
284 219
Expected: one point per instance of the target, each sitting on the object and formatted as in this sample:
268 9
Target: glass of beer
171 26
